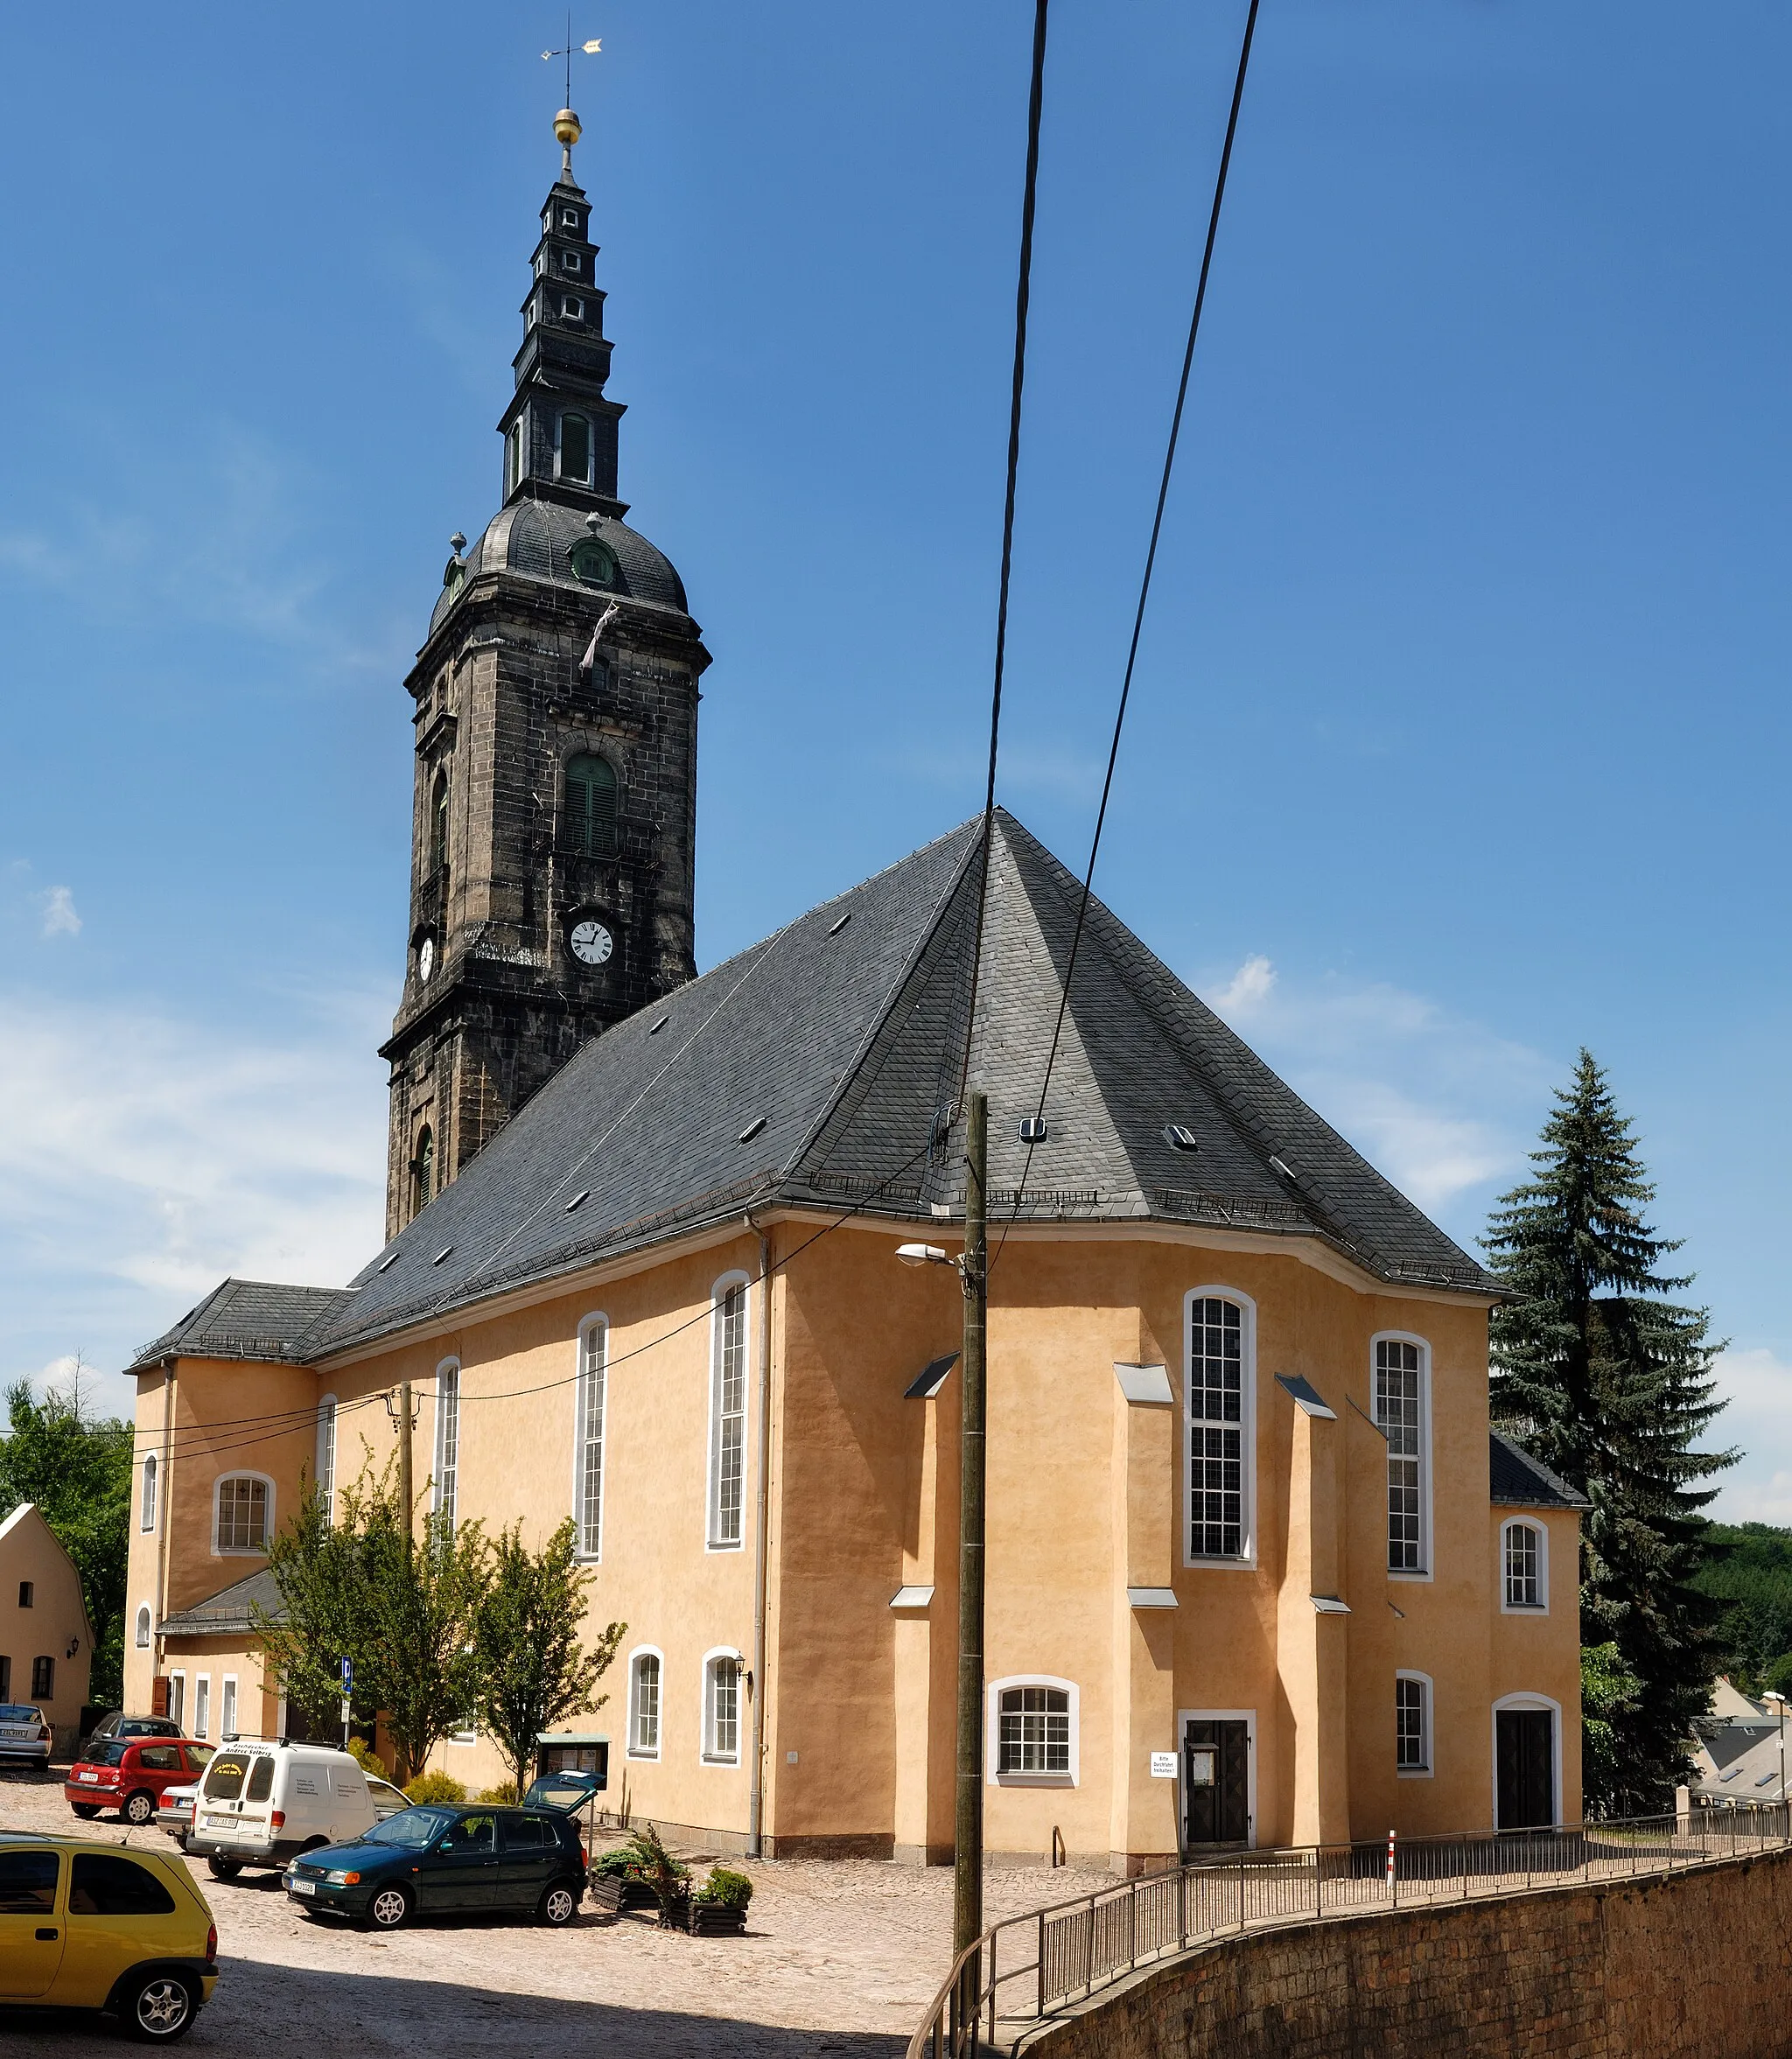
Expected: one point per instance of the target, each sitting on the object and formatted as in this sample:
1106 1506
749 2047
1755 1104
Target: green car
433 1860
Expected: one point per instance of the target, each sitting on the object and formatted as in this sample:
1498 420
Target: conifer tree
1607 1380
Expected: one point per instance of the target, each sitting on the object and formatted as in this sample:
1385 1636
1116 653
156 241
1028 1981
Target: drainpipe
756 1791
164 1517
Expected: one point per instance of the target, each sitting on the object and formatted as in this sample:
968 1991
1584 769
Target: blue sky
1461 726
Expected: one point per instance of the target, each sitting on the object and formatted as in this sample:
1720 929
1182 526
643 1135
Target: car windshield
411 1827
18 1712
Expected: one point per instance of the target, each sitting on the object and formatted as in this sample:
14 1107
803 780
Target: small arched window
143 1628
575 434
590 805
644 1705
243 1513
722 1708
423 1168
438 823
1525 1569
149 1509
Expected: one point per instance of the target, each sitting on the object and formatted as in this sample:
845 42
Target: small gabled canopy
230 1611
1515 1479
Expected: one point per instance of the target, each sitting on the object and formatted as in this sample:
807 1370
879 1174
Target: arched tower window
149 1504
590 805
438 823
423 1169
576 435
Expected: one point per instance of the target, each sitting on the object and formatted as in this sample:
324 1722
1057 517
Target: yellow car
86 1925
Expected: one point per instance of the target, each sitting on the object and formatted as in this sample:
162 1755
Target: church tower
554 810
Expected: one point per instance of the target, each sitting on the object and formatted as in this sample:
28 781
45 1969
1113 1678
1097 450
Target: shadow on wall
294 2013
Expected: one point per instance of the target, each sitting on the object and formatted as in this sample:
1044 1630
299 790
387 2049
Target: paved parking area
840 1958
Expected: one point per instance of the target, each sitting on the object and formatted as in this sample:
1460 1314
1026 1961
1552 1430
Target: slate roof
535 538
245 1318
226 1612
1516 1479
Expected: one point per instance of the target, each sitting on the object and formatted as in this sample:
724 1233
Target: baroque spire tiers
554 800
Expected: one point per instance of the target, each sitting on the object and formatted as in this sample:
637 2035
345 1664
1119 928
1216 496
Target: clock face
426 958
592 942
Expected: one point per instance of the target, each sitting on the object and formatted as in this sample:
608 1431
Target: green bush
504 1793
670 1878
435 1787
367 1758
724 1889
621 1862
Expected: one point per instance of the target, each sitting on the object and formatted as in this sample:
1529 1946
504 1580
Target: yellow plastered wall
52 1621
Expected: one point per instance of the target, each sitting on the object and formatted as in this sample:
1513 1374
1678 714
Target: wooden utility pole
968 1858
404 1478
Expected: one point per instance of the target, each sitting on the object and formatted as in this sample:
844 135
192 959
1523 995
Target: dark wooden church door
1526 1769
1216 1781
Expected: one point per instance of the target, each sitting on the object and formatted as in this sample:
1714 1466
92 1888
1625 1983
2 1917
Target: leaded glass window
1400 1414
1216 1407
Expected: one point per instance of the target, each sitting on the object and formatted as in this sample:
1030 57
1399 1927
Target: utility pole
968 1851
402 1426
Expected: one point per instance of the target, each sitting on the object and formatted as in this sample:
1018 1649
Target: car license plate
220 1822
304 1887
11 1732
86 1776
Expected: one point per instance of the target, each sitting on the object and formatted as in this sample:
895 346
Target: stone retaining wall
1694 1965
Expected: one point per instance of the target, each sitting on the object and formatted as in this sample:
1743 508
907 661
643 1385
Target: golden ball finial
566 128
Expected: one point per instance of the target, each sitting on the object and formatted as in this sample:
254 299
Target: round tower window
593 562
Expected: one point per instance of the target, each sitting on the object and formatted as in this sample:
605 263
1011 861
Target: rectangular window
227 1715
43 1679
1412 1727
27 1593
6 1678
1400 1415
644 1722
1523 1581
447 1442
1034 1731
1216 1404
176 1699
202 1705
243 1515
728 1417
722 1716
575 445
592 1356
571 261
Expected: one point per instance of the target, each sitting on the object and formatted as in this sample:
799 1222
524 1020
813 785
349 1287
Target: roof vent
1179 1137
584 1194
752 1129
390 1259
1277 1165
841 923
659 1025
441 1255
1033 1129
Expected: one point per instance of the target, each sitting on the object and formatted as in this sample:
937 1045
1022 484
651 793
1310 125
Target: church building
1259 1571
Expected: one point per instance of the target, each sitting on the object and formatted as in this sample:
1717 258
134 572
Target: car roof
58 1842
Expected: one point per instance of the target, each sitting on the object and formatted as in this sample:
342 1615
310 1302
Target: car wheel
225 1869
389 1909
138 1807
558 1906
161 2008
86 1811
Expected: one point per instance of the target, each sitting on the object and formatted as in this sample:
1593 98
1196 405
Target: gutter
756 1791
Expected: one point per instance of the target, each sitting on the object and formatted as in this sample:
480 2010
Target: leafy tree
1747 1570
1608 1381
1609 1693
402 1609
79 1474
532 1670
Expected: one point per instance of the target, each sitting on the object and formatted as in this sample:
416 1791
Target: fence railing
1019 1970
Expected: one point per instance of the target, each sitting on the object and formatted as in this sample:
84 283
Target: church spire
560 430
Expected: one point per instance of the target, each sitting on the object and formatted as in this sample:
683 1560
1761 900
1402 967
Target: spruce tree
1606 1378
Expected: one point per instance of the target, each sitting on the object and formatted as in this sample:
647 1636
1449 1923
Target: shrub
669 1878
435 1787
504 1793
367 1758
622 1862
724 1889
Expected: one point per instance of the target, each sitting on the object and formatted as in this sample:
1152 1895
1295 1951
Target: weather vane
590 49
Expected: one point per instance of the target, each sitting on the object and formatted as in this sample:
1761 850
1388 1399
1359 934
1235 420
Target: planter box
604 1896
707 1919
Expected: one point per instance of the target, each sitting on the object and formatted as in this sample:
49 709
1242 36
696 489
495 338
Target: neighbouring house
1259 1571
1739 1754
46 1643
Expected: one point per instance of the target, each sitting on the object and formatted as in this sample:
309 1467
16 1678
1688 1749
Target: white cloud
59 916
1758 1385
1251 985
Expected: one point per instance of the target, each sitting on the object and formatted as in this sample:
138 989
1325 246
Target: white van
259 1805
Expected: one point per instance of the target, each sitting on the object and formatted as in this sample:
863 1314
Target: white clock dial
426 958
592 942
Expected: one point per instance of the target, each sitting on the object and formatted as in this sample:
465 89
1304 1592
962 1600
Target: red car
130 1773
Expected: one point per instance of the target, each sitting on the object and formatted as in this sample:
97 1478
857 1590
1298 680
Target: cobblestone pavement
840 1958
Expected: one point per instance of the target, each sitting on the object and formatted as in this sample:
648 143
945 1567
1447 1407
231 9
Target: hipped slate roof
226 1612
247 1319
823 1066
1515 1477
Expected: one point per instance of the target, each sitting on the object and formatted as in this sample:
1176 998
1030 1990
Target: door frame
1184 1718
1554 1710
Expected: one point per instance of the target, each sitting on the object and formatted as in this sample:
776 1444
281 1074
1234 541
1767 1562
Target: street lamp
1779 1699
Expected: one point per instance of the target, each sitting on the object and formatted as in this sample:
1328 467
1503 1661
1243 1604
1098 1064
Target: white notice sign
1163 1765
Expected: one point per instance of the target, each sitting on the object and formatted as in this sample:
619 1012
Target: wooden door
1216 1781
1526 1762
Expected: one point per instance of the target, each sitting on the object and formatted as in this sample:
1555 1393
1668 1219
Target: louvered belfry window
590 805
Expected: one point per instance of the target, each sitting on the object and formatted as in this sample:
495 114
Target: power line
1145 588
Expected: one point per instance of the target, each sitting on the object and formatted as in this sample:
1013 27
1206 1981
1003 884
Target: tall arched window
438 823
575 436
327 1456
447 1491
149 1509
1525 1553
143 1628
423 1169
588 1464
590 805
1218 1393
727 1413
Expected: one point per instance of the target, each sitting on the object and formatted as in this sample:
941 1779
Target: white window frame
1526 1700
177 1698
572 261
1246 1559
571 307
1541 1530
720 1655
1424 1570
992 1737
1427 1732
144 1627
227 1707
631 1748
444 1464
514 446
569 217
152 1472
599 1324
219 1548
713 1510
324 1478
1248 1717
202 1705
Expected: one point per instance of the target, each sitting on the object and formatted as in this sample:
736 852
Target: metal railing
1021 1969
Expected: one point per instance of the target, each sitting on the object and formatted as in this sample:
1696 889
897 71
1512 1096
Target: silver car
23 1734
